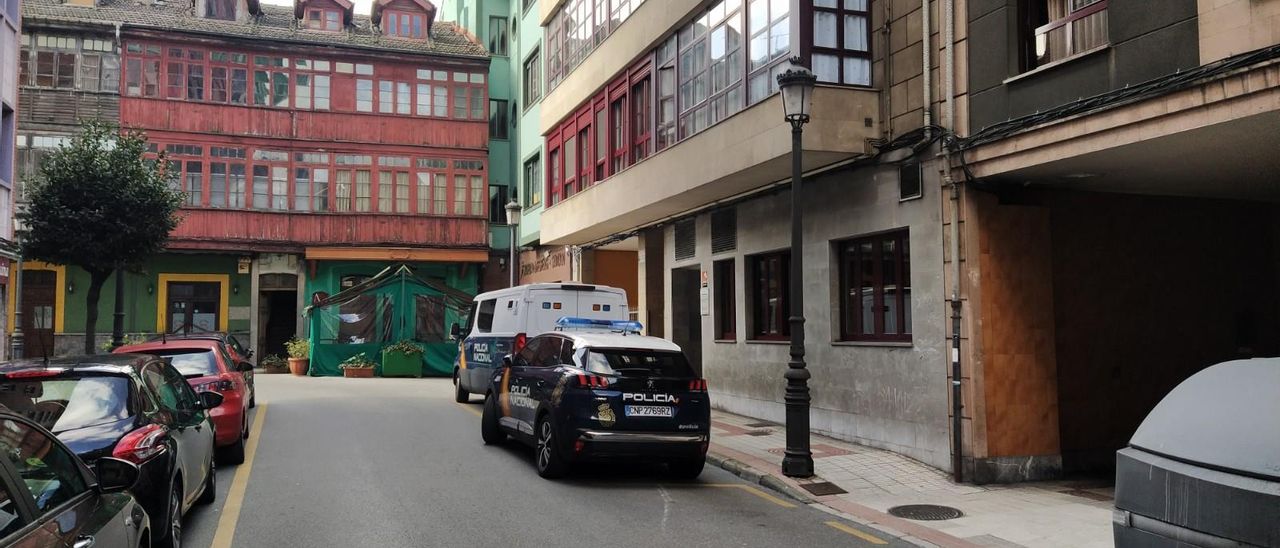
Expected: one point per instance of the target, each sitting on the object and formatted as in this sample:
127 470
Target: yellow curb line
754 491
470 409
235 496
860 534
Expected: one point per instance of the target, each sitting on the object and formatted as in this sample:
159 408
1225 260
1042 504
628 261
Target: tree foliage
97 203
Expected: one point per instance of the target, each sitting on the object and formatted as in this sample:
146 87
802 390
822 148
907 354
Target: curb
753 476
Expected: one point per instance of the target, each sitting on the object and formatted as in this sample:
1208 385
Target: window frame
323 21
503 38
760 294
532 167
725 299
848 267
1028 35
500 117
531 78
808 38
403 24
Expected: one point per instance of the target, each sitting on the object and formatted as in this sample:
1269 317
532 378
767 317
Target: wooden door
39 299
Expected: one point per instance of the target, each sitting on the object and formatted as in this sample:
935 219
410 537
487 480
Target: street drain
759 432
760 424
925 512
823 488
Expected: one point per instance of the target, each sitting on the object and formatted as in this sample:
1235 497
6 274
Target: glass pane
857 5
889 276
866 287
855 32
779 40
826 67
824 29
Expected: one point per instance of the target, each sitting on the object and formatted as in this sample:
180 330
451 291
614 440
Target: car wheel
490 432
210 492
687 469
234 453
173 523
460 394
547 452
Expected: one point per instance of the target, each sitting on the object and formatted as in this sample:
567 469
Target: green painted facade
328 274
527 43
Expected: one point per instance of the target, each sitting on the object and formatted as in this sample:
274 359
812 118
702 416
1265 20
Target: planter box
399 364
357 372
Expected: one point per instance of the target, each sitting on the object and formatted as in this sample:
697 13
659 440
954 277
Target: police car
597 390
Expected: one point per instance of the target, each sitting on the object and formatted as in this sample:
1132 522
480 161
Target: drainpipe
948 86
925 46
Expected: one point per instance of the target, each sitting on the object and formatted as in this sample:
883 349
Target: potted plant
357 366
274 364
402 359
299 355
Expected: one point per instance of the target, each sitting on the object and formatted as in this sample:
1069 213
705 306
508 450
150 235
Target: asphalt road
395 462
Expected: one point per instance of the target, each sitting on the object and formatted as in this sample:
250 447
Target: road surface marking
860 534
470 409
754 491
235 496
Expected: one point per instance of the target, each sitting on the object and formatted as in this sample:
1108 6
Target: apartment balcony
747 151
292 232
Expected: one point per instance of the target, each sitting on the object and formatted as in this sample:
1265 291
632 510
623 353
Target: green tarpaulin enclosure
392 306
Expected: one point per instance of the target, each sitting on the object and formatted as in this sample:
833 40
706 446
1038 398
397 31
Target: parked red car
208 367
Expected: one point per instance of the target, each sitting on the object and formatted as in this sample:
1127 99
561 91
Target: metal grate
724 230
759 432
761 424
686 239
926 512
823 488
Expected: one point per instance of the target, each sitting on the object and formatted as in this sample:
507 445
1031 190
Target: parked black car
132 407
48 497
1203 469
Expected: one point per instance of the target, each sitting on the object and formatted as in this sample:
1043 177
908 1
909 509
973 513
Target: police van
502 321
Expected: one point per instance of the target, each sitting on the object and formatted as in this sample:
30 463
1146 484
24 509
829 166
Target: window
770 296
498 35
484 315
641 119
51 473
617 134
497 204
403 24
665 59
841 35
498 126
324 19
577 28
532 79
875 288
1054 30
767 24
364 95
220 9
553 181
532 181
725 301
195 183
271 81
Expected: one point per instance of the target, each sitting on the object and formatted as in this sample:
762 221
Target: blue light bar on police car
624 326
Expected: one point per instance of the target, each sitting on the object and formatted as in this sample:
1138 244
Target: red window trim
306 22
418 16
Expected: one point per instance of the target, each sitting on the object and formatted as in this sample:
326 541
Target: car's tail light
698 385
140 445
521 339
214 386
592 381
578 446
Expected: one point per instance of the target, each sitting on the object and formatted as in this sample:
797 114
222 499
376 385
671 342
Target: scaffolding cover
392 306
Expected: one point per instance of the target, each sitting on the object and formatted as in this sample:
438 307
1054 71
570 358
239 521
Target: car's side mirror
244 367
210 400
507 360
455 331
116 475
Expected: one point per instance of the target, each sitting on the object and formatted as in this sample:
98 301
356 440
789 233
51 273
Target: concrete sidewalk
1053 514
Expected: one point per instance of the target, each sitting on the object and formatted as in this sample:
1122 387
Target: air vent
686 239
724 230
909 181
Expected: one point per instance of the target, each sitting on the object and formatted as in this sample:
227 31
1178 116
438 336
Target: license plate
650 411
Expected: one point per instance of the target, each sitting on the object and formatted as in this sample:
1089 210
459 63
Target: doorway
39 300
277 312
686 314
193 306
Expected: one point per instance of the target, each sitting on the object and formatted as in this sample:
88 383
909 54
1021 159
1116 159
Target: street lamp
797 83
513 221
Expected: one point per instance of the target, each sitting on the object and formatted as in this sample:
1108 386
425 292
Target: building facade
316 147
1112 245
10 44
664 132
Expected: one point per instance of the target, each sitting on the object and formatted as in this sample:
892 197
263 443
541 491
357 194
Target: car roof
109 363
611 339
176 344
567 286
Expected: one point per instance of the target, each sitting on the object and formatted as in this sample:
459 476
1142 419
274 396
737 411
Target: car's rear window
191 363
68 403
640 363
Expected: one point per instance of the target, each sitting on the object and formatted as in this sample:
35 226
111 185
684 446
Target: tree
97 203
